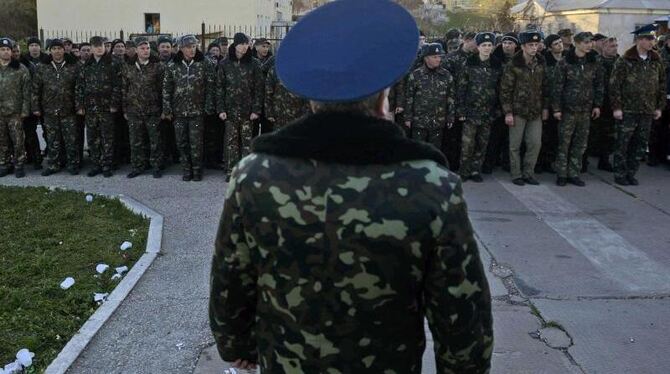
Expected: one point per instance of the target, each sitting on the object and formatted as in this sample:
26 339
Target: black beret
56 43
33 40
550 39
240 38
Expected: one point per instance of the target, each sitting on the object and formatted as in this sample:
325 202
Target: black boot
604 164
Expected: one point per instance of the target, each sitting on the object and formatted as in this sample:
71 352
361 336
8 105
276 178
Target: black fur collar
68 58
519 61
500 54
152 59
343 138
474 60
631 54
106 59
14 64
248 57
550 59
43 57
179 57
572 59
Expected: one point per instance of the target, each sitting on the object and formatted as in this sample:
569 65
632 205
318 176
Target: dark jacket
99 86
54 87
477 88
579 84
280 104
240 84
636 85
32 63
523 89
142 87
188 88
338 236
16 90
665 56
431 98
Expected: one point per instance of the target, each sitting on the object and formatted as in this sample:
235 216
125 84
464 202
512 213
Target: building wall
176 16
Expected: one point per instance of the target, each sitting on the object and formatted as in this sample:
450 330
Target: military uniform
478 85
98 94
32 144
280 104
239 93
547 158
14 106
523 93
659 137
431 96
451 142
142 88
602 135
54 97
187 97
578 89
637 87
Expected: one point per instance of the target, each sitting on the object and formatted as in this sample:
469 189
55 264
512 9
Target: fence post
121 35
42 37
202 38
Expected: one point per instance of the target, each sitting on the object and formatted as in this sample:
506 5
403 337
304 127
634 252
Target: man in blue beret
339 235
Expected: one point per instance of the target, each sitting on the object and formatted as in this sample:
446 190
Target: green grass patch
48 235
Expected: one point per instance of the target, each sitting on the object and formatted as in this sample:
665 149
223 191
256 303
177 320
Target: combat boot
197 175
577 182
19 172
187 175
94 172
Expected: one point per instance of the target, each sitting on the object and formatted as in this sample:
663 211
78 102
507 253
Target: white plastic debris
632 340
116 276
180 345
13 368
99 297
126 246
101 268
67 283
89 198
25 357
121 269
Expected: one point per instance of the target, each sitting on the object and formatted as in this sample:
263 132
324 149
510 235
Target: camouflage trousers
140 128
632 134
62 134
602 135
475 139
573 136
100 139
12 135
189 132
528 132
429 135
238 135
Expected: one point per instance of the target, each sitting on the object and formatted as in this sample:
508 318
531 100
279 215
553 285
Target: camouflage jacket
32 63
338 236
636 85
665 56
552 76
265 63
579 84
431 97
455 61
142 87
99 86
281 104
477 88
523 88
54 87
398 92
16 90
239 86
188 88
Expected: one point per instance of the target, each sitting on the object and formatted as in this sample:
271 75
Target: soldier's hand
113 110
596 113
399 110
243 364
545 114
509 120
253 116
618 114
37 114
657 114
558 115
271 119
223 116
408 124
81 112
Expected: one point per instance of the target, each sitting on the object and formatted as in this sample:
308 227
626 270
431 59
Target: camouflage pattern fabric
602 134
12 137
321 277
432 136
98 86
632 135
189 132
188 88
455 61
16 91
573 137
477 88
100 138
523 88
53 88
281 104
142 87
636 85
62 135
144 130
476 134
579 84
238 133
431 96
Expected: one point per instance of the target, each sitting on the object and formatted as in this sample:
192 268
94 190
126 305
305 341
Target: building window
152 23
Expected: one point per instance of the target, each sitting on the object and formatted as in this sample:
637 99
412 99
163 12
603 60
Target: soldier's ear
381 108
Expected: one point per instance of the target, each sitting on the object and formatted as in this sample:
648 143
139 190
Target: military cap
512 37
469 35
84 44
162 39
56 43
187 40
564 32
260 41
6 42
117 41
240 38
222 40
583 36
130 44
97 41
485 37
648 31
453 34
529 37
550 39
33 40
335 71
67 40
598 37
141 40
432 49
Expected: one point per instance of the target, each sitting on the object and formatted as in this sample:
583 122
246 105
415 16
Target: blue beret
347 50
